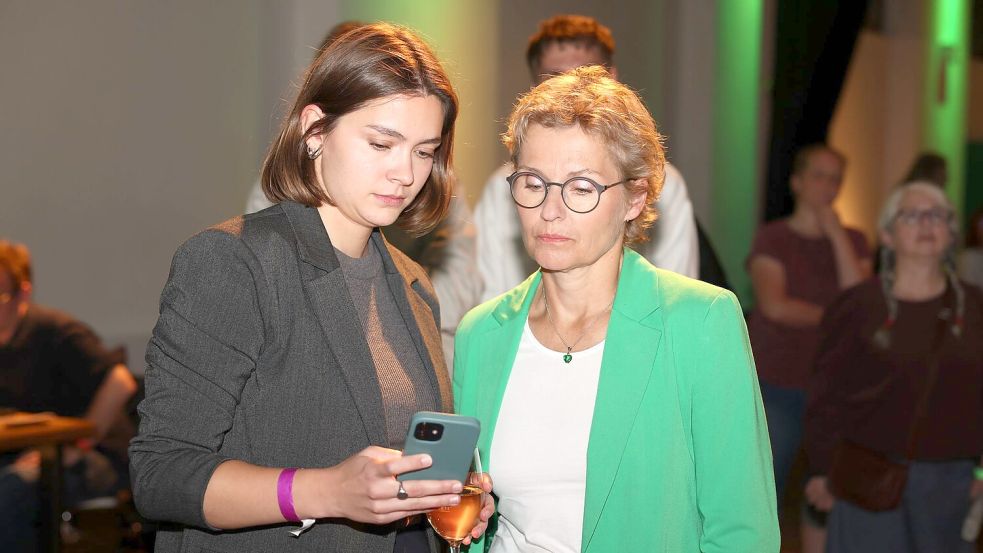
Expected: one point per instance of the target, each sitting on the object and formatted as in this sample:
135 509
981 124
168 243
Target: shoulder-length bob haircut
365 64
604 108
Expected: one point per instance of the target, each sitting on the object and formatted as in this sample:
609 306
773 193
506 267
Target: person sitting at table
618 402
50 361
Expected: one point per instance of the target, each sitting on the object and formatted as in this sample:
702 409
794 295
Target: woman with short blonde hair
619 405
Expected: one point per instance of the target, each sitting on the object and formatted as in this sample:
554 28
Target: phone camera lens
428 431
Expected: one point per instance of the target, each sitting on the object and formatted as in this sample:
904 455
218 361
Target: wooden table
48 435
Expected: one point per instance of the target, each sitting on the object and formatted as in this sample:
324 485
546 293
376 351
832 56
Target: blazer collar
335 312
312 239
639 291
313 244
515 304
636 274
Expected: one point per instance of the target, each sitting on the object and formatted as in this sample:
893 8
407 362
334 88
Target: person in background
971 258
295 344
561 43
618 401
900 374
797 266
928 166
447 253
50 361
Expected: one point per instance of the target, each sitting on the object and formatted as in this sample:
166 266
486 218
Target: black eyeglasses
580 194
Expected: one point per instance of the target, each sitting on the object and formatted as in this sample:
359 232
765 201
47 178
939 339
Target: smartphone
448 439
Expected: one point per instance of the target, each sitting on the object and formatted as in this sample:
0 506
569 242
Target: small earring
312 153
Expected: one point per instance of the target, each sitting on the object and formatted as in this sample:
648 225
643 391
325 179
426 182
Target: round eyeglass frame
934 216
600 189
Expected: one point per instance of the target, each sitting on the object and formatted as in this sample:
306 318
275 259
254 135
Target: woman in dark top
294 344
874 368
797 266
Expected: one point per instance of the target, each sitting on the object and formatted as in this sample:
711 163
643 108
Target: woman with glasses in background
619 405
897 389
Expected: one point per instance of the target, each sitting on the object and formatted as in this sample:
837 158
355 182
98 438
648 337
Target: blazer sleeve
203 350
734 477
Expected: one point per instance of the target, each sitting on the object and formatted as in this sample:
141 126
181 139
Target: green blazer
678 458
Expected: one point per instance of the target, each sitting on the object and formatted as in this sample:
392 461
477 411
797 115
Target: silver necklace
568 356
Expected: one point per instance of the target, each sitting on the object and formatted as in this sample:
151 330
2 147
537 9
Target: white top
504 263
539 451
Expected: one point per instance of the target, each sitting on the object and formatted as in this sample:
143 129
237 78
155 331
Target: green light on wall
735 136
945 108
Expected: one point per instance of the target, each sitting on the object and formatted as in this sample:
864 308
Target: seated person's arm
770 290
110 398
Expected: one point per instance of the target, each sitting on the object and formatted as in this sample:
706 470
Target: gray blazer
258 356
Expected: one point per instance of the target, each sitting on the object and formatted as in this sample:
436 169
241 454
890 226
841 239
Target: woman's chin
554 263
384 219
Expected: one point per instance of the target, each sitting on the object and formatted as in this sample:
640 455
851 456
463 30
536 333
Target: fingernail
457 487
426 461
455 500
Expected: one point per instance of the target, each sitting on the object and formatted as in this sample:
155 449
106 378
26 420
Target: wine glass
455 522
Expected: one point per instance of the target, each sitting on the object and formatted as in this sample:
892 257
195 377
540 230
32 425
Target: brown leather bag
866 478
869 479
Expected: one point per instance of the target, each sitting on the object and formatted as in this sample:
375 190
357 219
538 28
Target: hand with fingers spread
365 488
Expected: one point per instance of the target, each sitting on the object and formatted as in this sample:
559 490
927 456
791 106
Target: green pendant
567 358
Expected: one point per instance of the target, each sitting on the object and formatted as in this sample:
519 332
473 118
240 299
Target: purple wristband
285 494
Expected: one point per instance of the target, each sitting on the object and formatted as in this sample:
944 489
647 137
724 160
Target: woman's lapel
328 297
418 304
498 349
633 340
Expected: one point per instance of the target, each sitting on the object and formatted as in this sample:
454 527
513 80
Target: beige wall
877 123
975 133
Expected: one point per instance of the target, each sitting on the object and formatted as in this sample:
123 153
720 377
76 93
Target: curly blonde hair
602 107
